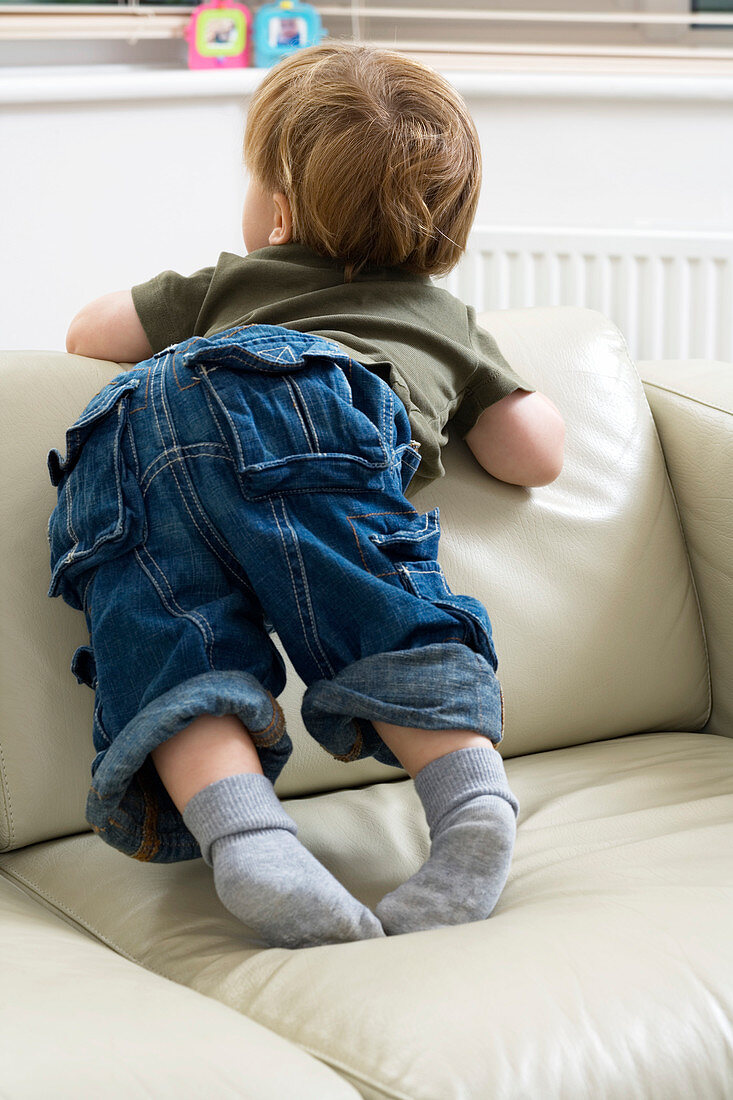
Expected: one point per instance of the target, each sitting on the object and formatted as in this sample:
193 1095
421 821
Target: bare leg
208 749
414 748
212 748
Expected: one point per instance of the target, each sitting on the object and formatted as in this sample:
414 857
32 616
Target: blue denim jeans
231 486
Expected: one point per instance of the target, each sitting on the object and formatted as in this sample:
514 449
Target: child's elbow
544 476
109 328
74 338
549 463
81 334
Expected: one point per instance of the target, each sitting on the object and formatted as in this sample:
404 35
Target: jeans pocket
292 420
414 536
413 550
99 514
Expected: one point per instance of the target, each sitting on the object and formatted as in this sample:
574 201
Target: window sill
565 78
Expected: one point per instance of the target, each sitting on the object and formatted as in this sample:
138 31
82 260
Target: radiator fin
670 294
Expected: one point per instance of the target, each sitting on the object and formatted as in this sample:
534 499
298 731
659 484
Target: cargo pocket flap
84 666
96 410
420 539
100 512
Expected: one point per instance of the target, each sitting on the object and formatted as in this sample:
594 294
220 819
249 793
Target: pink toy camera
219 36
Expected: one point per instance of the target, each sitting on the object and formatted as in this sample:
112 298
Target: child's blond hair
376 153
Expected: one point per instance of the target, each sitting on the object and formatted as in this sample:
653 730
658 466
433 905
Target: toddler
252 473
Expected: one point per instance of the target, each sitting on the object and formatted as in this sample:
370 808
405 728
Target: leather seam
6 799
78 921
680 527
340 1067
688 396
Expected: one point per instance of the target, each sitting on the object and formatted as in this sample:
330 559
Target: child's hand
520 439
109 328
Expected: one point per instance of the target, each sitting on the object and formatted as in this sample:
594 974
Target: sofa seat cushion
79 1021
609 958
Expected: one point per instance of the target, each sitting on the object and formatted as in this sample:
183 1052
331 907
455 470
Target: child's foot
472 817
264 875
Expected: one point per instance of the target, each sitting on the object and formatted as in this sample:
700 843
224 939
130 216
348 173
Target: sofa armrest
80 1020
692 406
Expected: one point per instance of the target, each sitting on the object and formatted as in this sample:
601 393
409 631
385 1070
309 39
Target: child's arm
520 439
109 328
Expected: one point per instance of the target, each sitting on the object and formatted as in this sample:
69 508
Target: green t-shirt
419 338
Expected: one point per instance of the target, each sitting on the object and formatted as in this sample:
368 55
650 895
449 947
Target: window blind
474 29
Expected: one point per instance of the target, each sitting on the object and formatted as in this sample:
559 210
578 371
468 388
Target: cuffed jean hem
127 804
441 686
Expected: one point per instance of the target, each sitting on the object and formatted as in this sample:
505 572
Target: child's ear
282 232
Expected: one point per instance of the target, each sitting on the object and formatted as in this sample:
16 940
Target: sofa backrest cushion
586 580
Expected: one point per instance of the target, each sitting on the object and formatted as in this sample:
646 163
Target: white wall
102 195
109 178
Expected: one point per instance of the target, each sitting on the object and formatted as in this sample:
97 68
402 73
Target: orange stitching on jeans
358 544
140 408
150 844
260 738
355 749
368 515
276 711
175 373
196 381
266 742
263 742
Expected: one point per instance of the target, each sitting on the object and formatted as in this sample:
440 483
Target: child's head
376 154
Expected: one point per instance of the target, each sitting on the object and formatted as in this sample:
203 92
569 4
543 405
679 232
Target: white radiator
671 294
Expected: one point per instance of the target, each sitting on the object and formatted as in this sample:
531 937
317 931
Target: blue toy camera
282 28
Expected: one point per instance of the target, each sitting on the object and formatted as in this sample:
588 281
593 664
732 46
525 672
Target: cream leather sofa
606 970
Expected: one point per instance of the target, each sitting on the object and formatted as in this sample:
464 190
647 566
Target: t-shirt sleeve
492 379
169 305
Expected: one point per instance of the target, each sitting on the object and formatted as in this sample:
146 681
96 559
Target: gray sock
472 817
264 875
